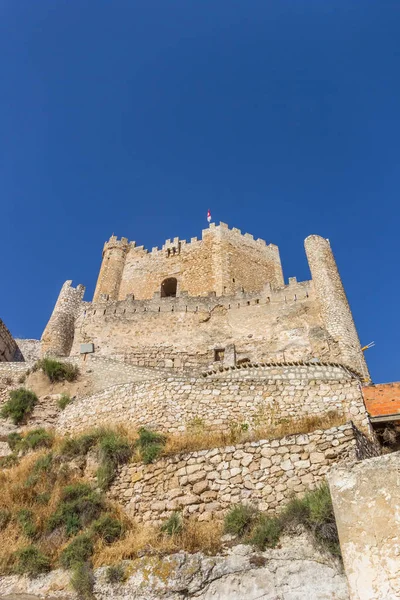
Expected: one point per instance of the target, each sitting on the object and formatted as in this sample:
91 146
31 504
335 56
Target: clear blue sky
134 117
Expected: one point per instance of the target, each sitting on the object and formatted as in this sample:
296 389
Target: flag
209 216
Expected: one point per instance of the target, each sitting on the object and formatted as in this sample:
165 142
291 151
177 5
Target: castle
207 336
216 301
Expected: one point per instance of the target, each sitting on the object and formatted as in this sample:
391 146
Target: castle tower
112 266
335 309
58 335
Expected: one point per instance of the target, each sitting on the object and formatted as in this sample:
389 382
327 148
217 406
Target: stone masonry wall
9 350
58 335
206 483
30 348
171 404
335 309
223 261
282 325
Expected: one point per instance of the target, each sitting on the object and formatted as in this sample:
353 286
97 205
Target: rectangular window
219 355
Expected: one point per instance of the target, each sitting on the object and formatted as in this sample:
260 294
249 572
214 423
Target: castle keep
218 301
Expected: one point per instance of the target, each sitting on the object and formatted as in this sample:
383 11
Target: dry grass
202 439
195 537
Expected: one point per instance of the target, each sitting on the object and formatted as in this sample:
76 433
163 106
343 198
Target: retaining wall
205 483
171 404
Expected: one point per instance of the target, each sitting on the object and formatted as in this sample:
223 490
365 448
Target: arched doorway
168 288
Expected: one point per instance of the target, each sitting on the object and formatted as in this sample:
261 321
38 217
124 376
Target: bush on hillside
114 450
150 445
79 505
173 525
116 574
108 528
31 561
63 401
82 581
239 519
20 405
58 371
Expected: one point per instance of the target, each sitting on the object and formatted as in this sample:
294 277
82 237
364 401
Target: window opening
219 354
168 287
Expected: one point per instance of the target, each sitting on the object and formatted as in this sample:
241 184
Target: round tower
335 309
59 333
112 266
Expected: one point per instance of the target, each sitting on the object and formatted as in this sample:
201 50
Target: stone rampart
30 348
185 333
9 350
206 483
171 404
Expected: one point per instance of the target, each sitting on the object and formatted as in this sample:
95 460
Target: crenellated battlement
294 291
125 244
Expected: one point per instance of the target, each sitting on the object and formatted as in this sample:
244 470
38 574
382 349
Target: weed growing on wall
150 445
173 525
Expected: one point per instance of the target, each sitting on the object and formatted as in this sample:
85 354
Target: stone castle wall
281 325
9 350
31 349
206 483
223 261
172 404
335 309
58 335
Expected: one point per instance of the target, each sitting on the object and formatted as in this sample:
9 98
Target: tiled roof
382 400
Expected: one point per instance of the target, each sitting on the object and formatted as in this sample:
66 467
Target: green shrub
79 505
21 379
58 371
108 528
37 438
63 401
14 439
315 512
20 405
41 466
239 519
114 450
266 532
77 552
8 461
5 517
150 444
31 561
116 574
151 453
82 580
80 446
173 525
26 522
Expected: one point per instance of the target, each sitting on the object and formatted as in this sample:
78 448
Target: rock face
295 571
366 501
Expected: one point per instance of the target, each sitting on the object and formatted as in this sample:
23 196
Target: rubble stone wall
206 483
9 350
171 404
